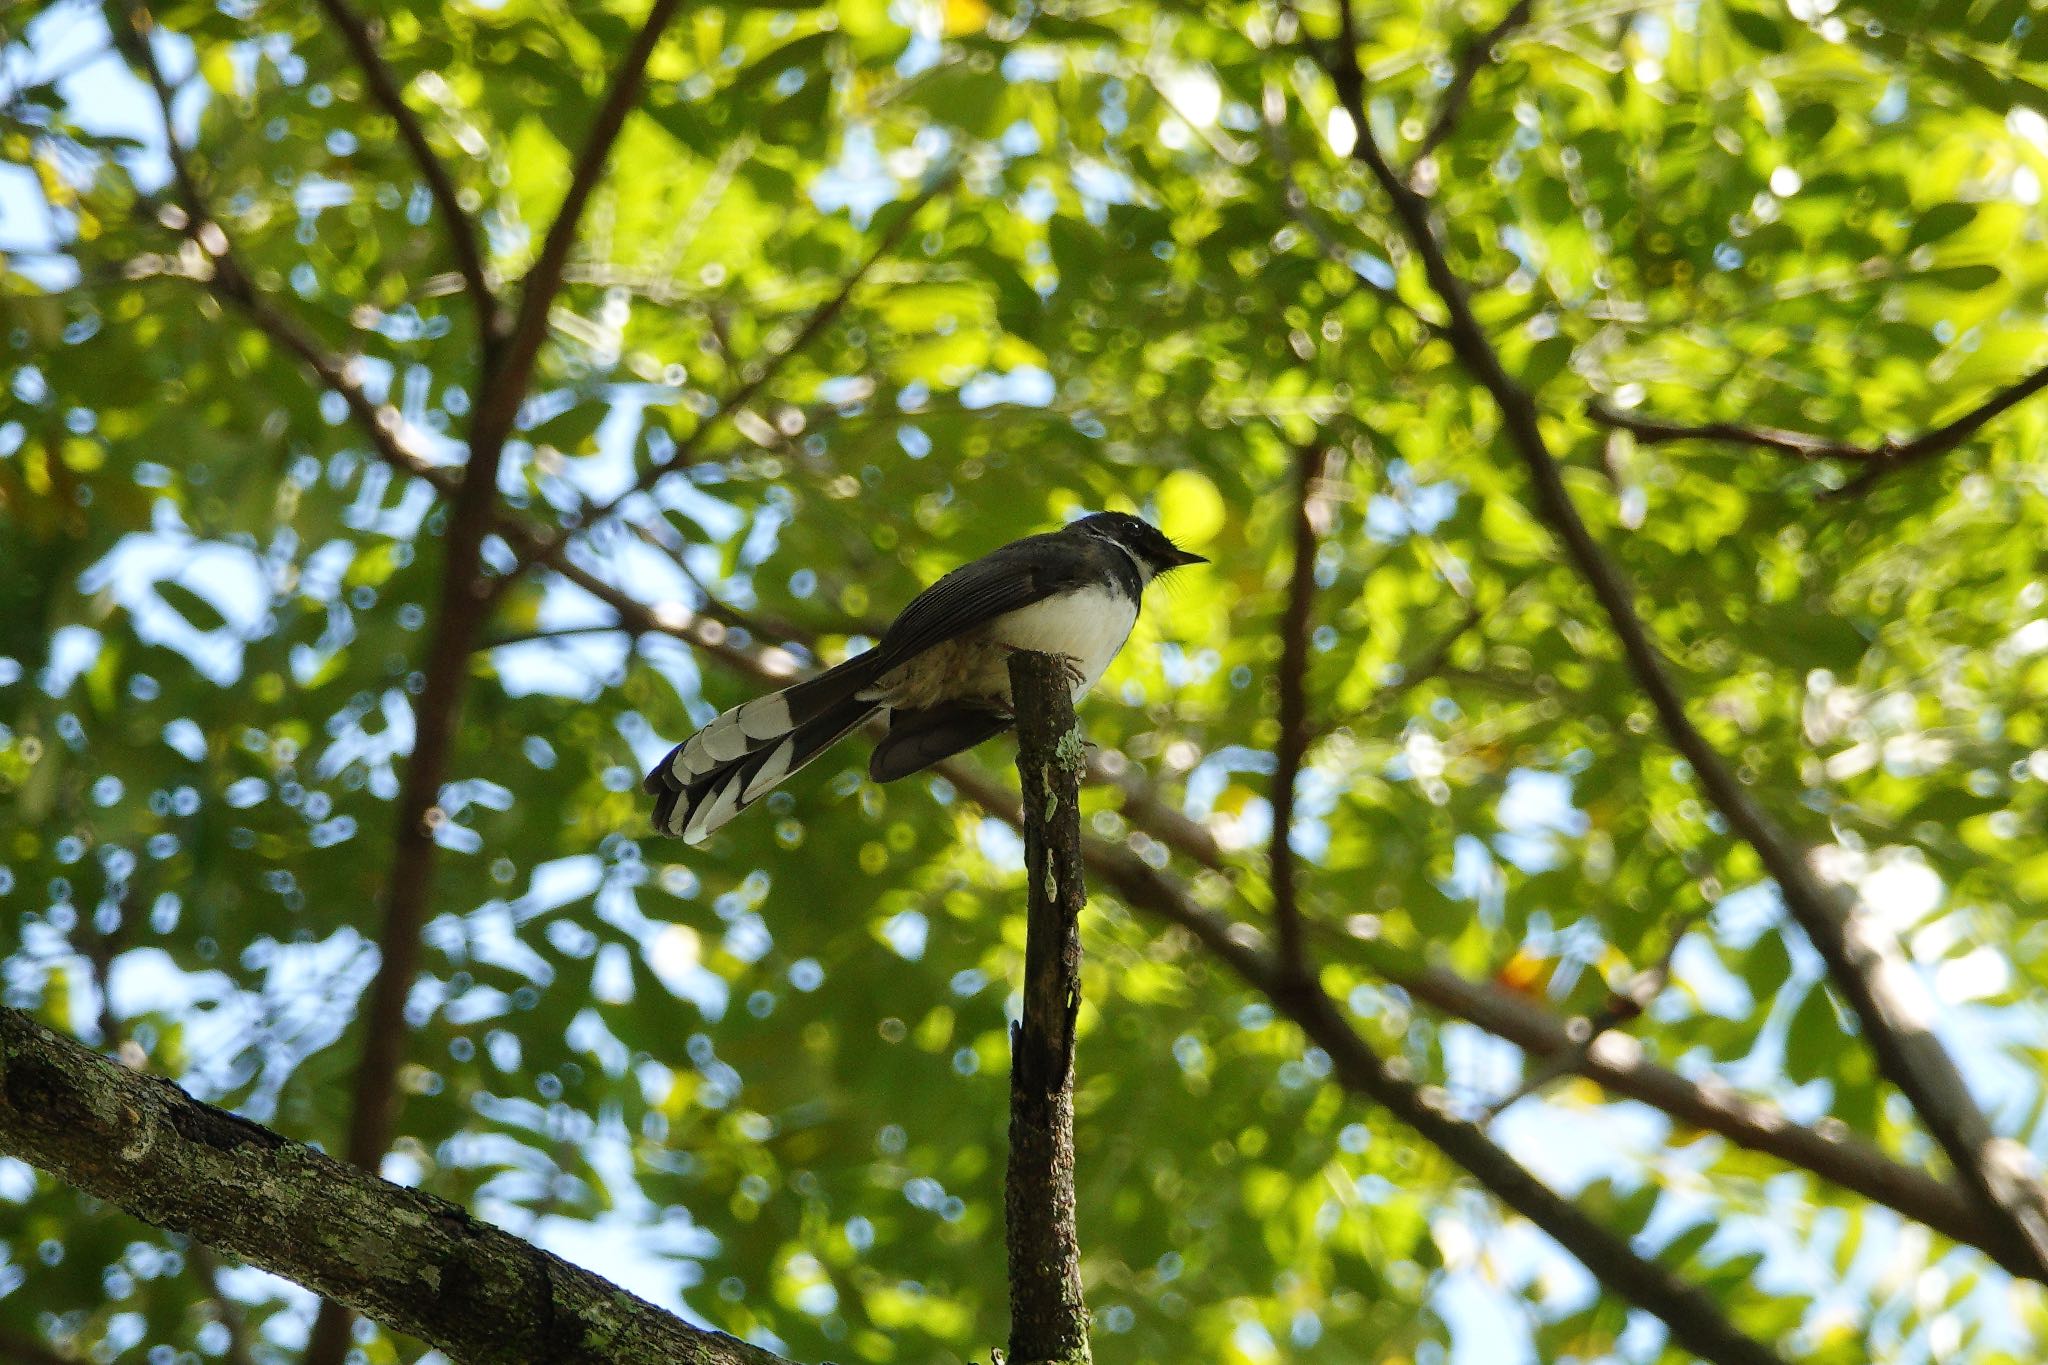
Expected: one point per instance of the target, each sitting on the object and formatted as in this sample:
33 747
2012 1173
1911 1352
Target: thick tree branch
1863 960
1048 1315
1310 460
1878 460
1470 62
461 228
474 1292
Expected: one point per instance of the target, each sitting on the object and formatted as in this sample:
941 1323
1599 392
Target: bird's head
1154 553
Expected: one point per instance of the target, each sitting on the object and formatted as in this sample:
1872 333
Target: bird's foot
1071 666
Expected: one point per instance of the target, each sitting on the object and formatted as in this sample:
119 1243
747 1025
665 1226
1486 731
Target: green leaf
192 606
1759 32
1940 222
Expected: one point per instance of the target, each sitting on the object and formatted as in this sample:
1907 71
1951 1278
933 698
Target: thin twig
461 227
136 43
1618 1065
1652 431
1452 102
1273 116
550 633
1879 459
1311 459
1864 961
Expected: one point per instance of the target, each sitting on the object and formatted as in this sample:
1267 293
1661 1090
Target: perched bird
941 670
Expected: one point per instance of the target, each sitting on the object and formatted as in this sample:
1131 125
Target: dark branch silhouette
1863 960
1618 1065
221 273
1048 1316
1310 460
1477 56
1878 460
1624 1005
1694 1319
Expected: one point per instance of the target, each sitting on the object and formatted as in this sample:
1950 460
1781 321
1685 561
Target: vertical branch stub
1048 1317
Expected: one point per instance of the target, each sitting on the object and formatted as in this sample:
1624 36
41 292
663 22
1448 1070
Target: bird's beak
1182 558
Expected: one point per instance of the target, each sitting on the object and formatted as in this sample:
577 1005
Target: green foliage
768 1075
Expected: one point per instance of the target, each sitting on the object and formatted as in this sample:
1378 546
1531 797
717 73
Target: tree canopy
1565 877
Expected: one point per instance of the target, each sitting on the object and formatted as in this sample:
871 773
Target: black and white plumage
941 670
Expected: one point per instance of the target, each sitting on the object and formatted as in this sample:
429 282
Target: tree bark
1048 1316
414 1262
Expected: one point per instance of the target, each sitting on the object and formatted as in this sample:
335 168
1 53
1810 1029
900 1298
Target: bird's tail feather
739 757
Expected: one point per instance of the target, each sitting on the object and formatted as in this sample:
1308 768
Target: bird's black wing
1005 580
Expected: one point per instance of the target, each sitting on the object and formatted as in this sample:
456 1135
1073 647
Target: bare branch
1879 460
552 633
1048 1316
437 719
136 45
461 1285
1310 461
1281 148
1651 431
1863 959
462 234
221 273
1452 102
1694 1319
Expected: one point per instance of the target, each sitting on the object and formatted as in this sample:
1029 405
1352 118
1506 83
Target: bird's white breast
1089 625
